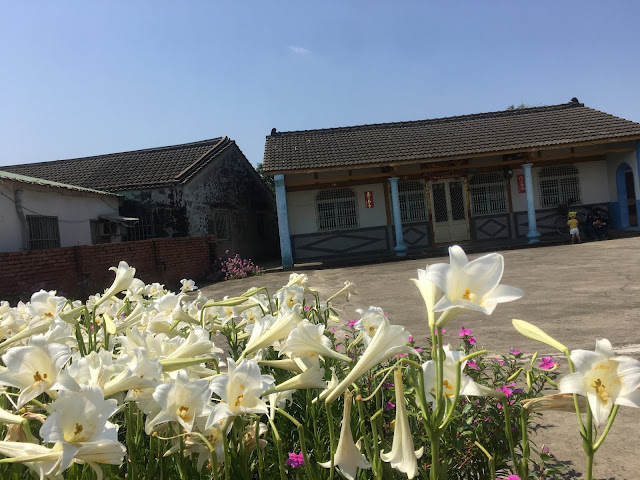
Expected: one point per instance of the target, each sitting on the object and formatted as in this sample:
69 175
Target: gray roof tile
153 167
507 130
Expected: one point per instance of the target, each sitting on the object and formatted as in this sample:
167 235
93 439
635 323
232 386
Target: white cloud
299 50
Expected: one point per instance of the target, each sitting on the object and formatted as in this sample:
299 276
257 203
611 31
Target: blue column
533 235
401 248
637 178
283 223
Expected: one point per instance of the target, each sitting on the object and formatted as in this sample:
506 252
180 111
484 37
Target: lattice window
221 225
141 230
413 203
336 209
559 185
44 232
488 194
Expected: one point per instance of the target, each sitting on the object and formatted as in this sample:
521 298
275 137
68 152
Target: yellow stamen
239 399
467 294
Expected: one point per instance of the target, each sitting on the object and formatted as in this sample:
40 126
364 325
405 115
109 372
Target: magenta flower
410 338
515 352
547 363
306 308
352 323
389 406
464 332
506 389
295 460
472 340
473 365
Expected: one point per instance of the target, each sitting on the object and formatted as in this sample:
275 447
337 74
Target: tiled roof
153 167
482 133
47 183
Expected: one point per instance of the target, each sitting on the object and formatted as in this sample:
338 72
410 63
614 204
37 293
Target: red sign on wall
522 188
368 199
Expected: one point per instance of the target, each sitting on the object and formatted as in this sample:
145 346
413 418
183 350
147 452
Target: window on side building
44 232
488 194
559 184
413 201
336 209
221 225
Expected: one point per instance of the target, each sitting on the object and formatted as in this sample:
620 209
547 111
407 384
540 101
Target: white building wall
74 210
302 209
594 185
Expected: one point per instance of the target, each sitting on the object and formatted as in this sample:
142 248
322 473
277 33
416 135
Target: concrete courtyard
575 293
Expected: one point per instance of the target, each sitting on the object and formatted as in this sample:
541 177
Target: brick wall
82 270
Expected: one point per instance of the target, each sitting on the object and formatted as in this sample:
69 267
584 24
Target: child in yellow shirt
573 227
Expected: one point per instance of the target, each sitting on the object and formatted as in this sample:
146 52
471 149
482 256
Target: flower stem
332 439
612 417
278 442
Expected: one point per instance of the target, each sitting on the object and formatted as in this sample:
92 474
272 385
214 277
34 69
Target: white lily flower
290 297
42 460
311 378
81 419
188 285
467 385
469 285
34 368
388 341
604 379
181 401
123 280
45 304
308 340
279 400
369 322
348 290
193 444
402 456
348 457
268 330
431 294
240 391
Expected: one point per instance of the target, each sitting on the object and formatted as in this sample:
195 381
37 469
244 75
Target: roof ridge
153 149
186 173
456 118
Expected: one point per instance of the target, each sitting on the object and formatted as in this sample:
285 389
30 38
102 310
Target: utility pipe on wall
22 217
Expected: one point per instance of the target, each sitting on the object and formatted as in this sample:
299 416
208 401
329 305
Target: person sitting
599 227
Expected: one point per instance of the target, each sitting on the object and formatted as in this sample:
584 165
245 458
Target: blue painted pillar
637 190
283 223
400 248
620 213
534 234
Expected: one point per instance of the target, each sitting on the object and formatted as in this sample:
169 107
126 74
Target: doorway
631 197
449 210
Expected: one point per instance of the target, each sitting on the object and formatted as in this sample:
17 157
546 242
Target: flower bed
133 383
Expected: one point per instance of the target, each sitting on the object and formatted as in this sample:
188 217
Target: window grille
221 225
336 209
103 231
559 185
44 232
141 230
488 193
413 204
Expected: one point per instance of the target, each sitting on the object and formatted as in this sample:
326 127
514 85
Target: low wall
82 270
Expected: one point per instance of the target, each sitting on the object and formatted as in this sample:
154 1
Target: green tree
268 179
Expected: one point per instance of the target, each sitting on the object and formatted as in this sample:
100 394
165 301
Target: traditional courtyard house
37 214
379 190
194 189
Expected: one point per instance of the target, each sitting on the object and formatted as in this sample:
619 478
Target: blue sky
88 78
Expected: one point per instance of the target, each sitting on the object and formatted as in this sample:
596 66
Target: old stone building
200 188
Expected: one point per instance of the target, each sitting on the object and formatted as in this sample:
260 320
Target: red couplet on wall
368 199
521 186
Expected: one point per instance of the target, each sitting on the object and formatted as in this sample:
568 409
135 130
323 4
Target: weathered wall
231 184
74 209
70 269
163 207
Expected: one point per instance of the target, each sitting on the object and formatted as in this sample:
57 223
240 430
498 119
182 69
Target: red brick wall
83 270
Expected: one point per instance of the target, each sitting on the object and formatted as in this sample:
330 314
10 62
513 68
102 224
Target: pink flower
545 449
418 349
333 330
410 338
506 389
473 365
464 332
295 460
547 363
389 406
472 340
306 309
352 323
442 330
515 352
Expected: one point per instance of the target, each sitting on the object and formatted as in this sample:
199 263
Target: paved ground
575 293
